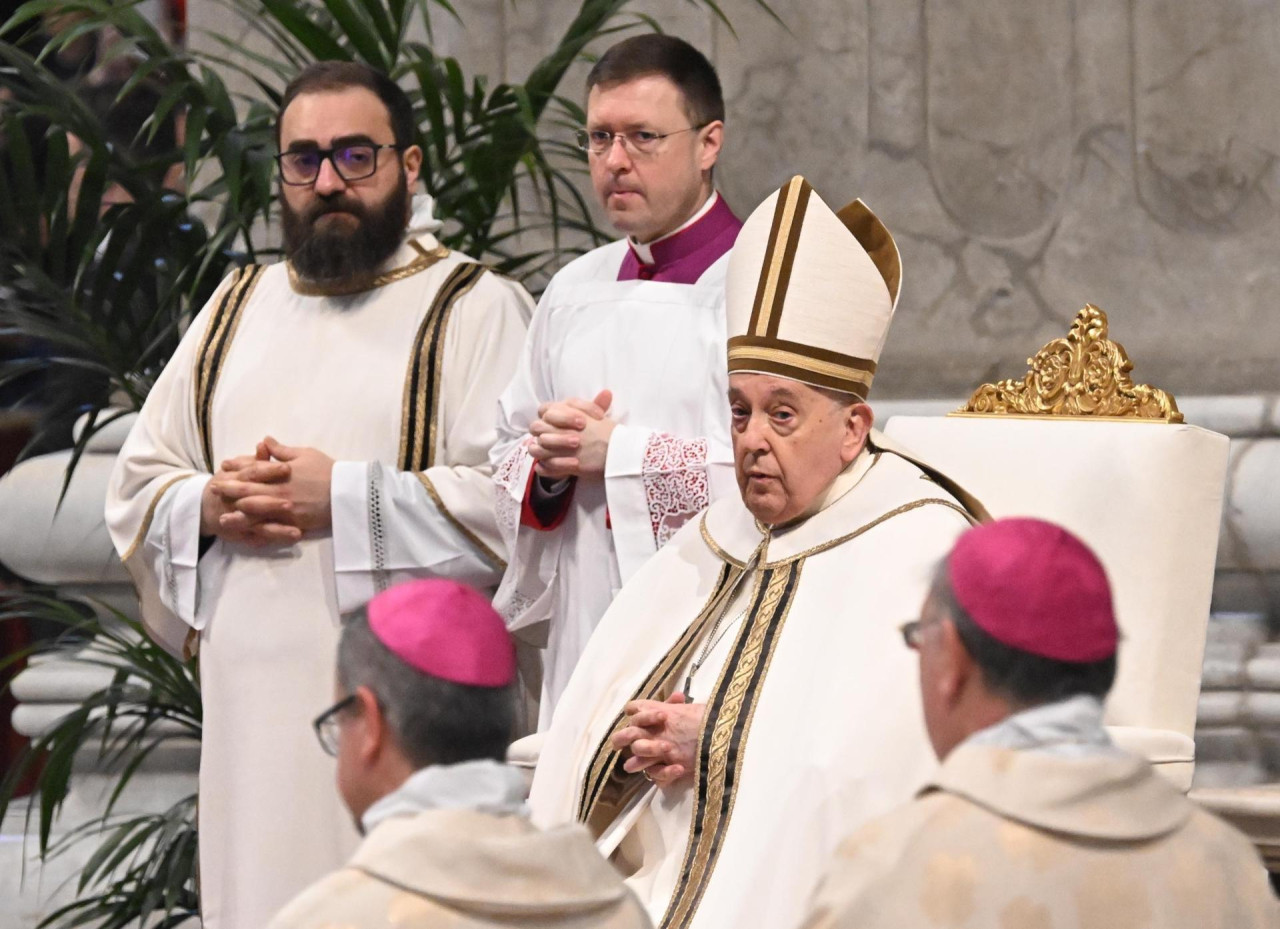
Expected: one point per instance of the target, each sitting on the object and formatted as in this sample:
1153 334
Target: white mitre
810 292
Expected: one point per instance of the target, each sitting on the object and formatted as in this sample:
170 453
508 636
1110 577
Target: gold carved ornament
1084 375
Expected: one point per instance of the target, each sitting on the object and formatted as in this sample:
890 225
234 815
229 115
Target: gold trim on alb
150 515
722 745
1085 375
466 533
419 418
358 285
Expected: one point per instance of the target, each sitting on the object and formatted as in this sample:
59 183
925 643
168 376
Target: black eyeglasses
911 632
326 725
301 167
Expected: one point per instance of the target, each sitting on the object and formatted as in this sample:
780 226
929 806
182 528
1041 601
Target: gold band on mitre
810 292
802 363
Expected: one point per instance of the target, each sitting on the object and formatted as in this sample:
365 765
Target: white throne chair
1075 441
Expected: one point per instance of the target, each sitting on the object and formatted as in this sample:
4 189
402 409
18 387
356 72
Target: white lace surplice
660 348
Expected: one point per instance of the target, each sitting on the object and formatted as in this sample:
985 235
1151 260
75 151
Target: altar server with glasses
614 432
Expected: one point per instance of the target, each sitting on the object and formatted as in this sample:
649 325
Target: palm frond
143 866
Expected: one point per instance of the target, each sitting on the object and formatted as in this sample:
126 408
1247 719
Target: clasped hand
661 739
270 497
570 438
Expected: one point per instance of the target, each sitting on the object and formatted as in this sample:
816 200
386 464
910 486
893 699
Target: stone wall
1030 157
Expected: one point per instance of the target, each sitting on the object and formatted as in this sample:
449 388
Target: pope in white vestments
395 377
767 628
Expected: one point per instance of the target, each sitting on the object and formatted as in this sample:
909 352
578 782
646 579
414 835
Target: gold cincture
1084 375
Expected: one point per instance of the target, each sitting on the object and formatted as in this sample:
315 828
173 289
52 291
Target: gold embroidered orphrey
1084 375
730 709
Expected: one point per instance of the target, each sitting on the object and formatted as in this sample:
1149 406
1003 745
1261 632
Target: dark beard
338 254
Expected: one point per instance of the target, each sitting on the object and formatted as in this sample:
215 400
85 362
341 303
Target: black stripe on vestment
426 362
606 758
719 765
214 350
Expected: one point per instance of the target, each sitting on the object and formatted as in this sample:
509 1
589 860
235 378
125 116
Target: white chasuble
398 384
813 721
659 346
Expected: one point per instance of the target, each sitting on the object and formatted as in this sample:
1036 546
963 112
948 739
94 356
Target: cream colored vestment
813 723
1009 839
463 869
399 384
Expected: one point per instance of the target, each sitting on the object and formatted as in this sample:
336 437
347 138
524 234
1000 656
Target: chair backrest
1145 491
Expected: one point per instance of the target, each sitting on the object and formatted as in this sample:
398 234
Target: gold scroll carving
1084 375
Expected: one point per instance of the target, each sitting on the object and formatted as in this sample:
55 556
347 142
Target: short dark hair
669 57
327 76
1024 679
432 721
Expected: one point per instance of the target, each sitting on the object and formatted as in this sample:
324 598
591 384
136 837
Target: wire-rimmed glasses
636 141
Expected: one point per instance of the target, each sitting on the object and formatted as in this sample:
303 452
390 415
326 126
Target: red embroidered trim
674 472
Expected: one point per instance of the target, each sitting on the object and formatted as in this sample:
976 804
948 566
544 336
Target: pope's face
648 194
790 441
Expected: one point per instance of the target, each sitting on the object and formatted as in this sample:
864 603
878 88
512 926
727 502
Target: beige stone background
1029 157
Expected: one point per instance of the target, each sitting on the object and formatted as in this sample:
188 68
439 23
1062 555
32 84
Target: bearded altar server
321 432
745 701
424 711
1035 818
613 432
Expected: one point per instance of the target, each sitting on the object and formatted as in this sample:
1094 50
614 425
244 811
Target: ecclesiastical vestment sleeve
154 495
532 553
435 518
655 482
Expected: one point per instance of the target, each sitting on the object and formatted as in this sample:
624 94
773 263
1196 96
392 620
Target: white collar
423 219
1067 727
878 484
483 785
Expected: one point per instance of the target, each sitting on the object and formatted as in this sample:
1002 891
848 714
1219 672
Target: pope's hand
301 500
661 739
571 437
